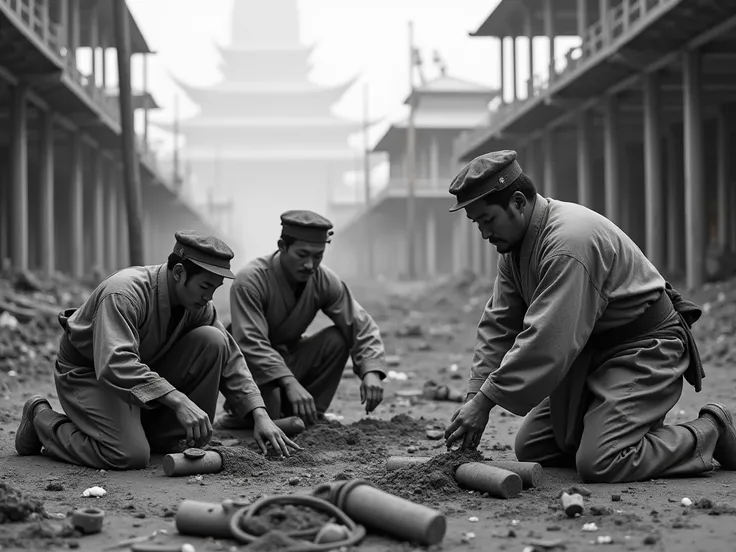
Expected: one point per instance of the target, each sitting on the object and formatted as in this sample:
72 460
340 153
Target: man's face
194 292
301 259
504 228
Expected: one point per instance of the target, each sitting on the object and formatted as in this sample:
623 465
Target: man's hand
265 431
371 391
302 403
469 421
193 419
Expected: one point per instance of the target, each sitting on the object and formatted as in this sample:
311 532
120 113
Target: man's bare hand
302 403
468 422
371 391
265 431
193 419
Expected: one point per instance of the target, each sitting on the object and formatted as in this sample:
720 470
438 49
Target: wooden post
367 184
724 177
585 160
76 208
695 210
611 159
18 228
131 166
98 202
411 164
46 208
653 185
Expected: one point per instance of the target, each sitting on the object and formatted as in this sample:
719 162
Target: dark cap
485 174
306 226
209 252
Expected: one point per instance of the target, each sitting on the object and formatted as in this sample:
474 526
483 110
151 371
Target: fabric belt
647 323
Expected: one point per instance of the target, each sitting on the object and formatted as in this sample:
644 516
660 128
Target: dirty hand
193 419
302 403
469 422
371 391
265 431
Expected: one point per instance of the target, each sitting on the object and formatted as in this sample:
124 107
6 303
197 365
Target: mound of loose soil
431 481
16 506
365 434
286 518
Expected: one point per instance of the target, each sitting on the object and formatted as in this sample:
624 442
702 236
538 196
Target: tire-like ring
88 520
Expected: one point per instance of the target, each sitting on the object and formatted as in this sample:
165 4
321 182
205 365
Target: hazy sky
367 39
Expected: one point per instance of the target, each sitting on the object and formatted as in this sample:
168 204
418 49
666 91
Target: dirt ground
429 333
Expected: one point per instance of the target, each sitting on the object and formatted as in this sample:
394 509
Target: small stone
435 434
600 510
651 539
73 544
140 515
472 519
294 481
168 513
412 449
554 528
686 502
54 486
590 527
615 498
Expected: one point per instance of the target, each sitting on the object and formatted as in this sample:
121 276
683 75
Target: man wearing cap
275 298
140 364
584 337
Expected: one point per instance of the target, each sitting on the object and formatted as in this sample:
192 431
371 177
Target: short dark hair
189 267
288 240
522 184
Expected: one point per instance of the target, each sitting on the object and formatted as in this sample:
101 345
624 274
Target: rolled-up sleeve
500 323
560 319
357 327
115 343
250 330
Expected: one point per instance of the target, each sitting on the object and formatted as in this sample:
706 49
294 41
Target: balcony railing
622 19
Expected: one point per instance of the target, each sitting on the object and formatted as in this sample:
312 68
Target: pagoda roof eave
196 123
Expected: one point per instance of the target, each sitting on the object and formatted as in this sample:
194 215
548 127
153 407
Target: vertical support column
145 112
585 160
530 41
514 69
94 40
98 206
604 9
549 178
675 205
549 30
123 253
76 208
63 33
724 182
695 212
74 30
653 188
583 21
46 199
431 243
530 163
434 161
18 227
502 67
611 159
111 217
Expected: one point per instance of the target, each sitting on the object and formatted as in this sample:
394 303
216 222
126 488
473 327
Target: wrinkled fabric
123 329
576 275
268 320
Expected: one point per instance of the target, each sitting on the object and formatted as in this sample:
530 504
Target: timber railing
622 20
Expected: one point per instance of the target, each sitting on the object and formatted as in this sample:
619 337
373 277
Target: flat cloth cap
209 252
306 226
488 173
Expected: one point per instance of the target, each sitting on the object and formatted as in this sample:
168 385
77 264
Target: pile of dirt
16 506
432 481
241 461
368 434
287 518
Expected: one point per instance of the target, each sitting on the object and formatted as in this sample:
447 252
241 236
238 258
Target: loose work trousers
623 437
101 431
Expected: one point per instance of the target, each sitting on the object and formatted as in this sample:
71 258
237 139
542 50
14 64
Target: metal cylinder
531 473
398 462
391 514
177 464
205 519
488 479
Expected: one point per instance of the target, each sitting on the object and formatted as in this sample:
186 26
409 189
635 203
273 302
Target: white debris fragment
529 549
472 519
467 537
333 417
686 502
604 539
394 375
7 320
682 413
590 527
454 368
514 522
12 373
721 297
186 547
96 492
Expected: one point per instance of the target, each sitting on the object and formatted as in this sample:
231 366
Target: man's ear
281 245
179 272
519 200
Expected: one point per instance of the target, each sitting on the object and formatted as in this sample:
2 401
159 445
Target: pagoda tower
265 140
